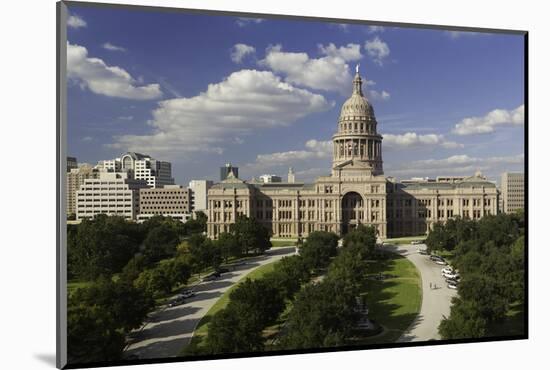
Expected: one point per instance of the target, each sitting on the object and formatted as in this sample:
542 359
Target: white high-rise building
512 189
199 194
141 167
112 193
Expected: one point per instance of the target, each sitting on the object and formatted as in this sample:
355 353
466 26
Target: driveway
170 329
436 303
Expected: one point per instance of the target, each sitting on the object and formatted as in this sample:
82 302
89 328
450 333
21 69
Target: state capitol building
356 192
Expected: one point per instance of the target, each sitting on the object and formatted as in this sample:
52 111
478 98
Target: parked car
452 286
451 275
441 262
451 281
434 257
415 242
422 251
447 270
222 270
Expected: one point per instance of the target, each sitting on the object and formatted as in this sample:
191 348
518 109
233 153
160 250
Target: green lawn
393 302
405 240
201 331
283 243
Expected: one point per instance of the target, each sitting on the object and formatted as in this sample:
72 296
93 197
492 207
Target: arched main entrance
352 211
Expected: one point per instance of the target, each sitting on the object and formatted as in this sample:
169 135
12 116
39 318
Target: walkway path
170 329
436 303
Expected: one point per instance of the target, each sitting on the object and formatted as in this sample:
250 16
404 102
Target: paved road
436 303
170 329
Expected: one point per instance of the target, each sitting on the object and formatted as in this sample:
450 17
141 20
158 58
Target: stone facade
356 192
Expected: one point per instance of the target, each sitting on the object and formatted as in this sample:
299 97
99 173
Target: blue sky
265 94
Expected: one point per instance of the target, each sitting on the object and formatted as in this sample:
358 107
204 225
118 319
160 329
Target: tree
517 255
158 220
350 268
288 275
260 300
465 321
438 238
92 335
196 225
229 246
322 315
160 243
178 269
204 252
126 304
133 268
363 239
101 246
155 281
232 330
319 247
487 293
251 235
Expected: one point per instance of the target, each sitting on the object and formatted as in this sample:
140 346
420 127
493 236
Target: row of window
115 200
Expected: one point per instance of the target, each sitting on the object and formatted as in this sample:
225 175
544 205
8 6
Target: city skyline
273 97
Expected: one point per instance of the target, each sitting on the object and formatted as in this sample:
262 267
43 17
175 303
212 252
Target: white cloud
313 151
100 78
459 34
342 26
375 29
463 165
239 51
126 118
489 122
247 100
328 73
87 138
74 21
377 49
243 22
378 95
412 139
350 52
111 47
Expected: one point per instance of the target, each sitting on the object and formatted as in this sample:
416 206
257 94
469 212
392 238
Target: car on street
222 270
187 293
452 286
176 301
212 276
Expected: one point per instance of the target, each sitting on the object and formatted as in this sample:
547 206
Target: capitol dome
357 105
357 144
